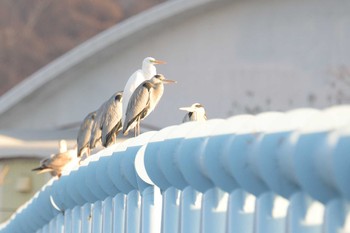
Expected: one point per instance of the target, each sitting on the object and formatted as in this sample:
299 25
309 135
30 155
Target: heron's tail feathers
94 141
110 137
84 150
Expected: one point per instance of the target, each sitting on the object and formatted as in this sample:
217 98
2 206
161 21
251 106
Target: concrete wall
231 56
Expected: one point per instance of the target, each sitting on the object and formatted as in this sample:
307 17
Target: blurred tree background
35 32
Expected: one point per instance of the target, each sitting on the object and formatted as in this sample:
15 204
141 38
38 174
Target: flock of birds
123 111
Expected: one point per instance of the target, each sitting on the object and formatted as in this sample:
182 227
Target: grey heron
147 72
84 134
112 123
96 131
143 101
195 113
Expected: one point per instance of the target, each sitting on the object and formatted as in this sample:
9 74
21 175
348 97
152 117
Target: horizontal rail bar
273 172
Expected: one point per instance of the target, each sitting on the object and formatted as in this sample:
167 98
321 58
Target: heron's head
152 61
159 78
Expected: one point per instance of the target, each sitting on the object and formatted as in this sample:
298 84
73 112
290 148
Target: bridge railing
273 172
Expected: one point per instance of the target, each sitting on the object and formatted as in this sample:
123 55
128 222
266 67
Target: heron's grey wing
96 128
137 104
112 122
186 118
103 115
84 134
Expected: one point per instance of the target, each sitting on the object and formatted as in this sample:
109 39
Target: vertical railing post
271 213
241 211
171 210
97 217
119 212
190 213
60 223
76 219
52 225
151 214
107 213
133 211
305 214
68 221
86 218
214 209
337 216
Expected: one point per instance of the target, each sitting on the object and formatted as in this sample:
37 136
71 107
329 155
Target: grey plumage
143 101
195 113
84 134
112 123
96 131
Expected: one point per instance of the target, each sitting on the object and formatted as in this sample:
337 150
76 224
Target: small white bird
112 123
58 163
96 131
84 134
195 113
143 101
147 72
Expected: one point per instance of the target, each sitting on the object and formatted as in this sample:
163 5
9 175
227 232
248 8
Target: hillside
34 32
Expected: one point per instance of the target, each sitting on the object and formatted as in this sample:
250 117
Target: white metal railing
273 172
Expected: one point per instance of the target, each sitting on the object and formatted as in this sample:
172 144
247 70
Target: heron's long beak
158 62
166 81
188 109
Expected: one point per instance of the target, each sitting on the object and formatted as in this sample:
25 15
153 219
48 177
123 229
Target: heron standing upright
84 134
112 123
96 131
147 72
143 101
195 113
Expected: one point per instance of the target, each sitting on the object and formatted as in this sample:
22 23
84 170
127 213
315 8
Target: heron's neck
149 71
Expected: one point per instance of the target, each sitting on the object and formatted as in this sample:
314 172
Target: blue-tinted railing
273 172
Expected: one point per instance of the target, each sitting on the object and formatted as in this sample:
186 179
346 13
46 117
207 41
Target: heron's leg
115 138
138 127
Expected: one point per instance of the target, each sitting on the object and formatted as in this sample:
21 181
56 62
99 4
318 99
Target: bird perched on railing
57 163
195 113
147 72
96 131
84 134
112 123
143 101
